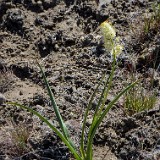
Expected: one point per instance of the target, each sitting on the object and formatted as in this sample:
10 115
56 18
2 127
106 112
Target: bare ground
64 37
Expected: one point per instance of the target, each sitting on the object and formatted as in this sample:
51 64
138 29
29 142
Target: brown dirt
64 37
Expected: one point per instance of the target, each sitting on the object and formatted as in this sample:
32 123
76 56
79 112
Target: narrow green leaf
108 87
71 148
55 107
101 105
101 98
110 105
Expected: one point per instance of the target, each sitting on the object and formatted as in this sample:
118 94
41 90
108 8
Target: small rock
89 121
2 99
20 93
14 19
39 3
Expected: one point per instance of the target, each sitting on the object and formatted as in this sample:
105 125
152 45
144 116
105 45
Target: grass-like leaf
85 117
55 107
63 138
100 119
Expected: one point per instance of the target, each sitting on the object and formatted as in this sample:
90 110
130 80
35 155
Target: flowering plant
85 152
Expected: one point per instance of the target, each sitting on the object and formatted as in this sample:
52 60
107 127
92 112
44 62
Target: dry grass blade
6 79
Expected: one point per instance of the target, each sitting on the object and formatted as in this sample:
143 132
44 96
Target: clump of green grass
20 136
137 100
142 26
147 24
14 139
156 14
152 21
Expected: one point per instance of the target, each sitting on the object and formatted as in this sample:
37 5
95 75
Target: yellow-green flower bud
109 35
108 30
117 50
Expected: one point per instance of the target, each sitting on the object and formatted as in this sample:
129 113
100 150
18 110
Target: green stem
85 118
96 115
55 107
109 86
110 105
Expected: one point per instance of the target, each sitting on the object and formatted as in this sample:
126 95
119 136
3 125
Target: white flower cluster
111 41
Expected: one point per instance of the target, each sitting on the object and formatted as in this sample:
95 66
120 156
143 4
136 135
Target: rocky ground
64 37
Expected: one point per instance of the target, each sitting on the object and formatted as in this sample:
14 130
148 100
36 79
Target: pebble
2 99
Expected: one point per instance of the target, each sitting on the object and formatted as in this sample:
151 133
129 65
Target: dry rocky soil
64 37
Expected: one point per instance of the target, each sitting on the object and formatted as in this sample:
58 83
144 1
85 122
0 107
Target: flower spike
111 41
